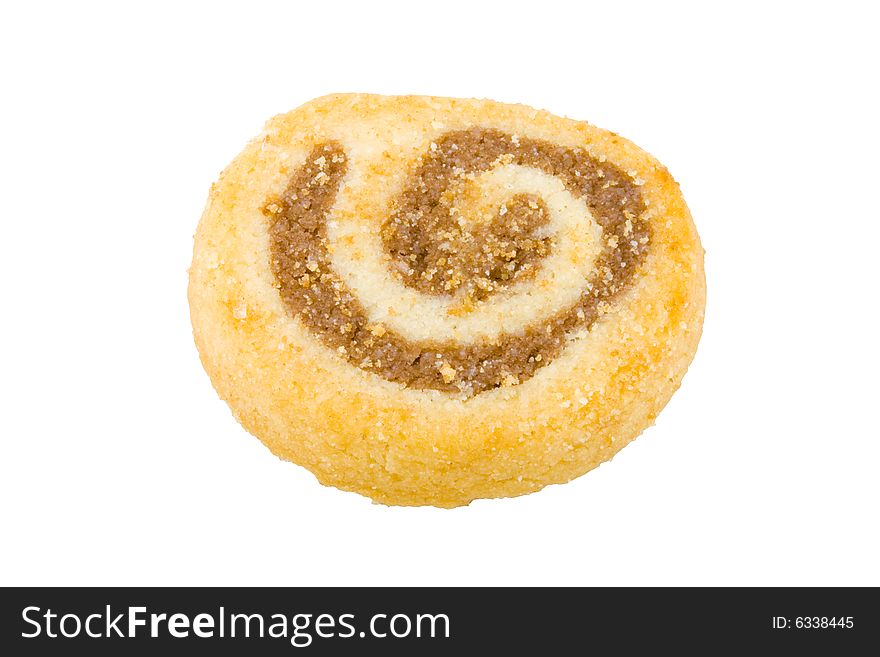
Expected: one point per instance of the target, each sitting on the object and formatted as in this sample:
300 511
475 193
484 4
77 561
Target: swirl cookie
432 300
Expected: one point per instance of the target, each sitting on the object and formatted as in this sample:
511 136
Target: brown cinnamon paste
434 252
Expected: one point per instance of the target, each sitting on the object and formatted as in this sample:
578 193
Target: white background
120 465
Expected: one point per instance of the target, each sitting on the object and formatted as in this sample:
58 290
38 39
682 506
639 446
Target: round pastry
433 300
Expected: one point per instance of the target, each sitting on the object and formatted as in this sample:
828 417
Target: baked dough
432 300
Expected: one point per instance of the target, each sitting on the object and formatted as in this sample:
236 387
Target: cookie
432 300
